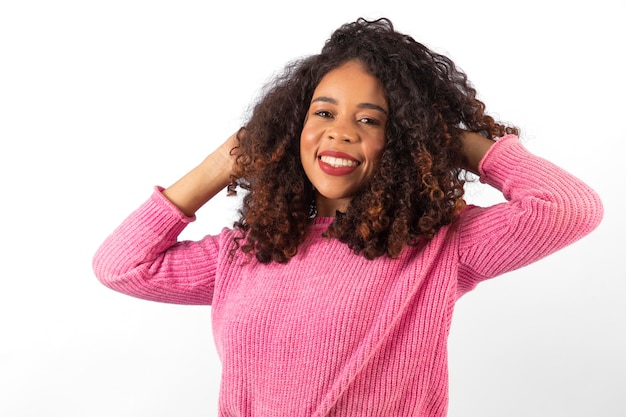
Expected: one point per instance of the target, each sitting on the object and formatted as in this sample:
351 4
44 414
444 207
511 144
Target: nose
342 130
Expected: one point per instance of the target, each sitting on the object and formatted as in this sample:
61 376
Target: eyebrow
360 105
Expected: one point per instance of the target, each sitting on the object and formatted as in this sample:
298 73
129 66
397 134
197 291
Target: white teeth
338 162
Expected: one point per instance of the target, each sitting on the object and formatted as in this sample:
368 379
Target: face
343 135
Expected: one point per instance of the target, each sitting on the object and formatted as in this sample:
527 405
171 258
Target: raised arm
474 149
204 181
142 257
547 209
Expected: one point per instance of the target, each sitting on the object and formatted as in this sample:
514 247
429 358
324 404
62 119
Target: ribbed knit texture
331 333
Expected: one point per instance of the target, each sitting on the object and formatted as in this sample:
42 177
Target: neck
328 207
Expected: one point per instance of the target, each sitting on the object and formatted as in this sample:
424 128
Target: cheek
307 141
375 151
305 151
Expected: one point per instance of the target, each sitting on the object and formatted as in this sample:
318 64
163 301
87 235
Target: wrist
474 148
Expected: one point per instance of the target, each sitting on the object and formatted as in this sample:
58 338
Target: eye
369 121
324 113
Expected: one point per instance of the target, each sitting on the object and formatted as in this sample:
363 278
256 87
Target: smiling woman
417 99
343 135
333 293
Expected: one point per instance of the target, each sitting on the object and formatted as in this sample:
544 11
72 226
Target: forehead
351 79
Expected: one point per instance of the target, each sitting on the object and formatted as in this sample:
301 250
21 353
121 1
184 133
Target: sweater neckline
323 221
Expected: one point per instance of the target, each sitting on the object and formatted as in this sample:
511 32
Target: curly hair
418 185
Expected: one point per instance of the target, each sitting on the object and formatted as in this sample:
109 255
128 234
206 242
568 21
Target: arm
204 181
143 257
474 149
547 209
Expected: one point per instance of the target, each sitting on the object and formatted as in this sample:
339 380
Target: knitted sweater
331 333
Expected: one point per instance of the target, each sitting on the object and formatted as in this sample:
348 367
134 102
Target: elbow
101 271
579 214
105 268
590 211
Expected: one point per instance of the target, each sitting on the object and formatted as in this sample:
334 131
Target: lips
337 163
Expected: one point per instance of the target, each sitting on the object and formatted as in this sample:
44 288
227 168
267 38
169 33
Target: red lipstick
337 163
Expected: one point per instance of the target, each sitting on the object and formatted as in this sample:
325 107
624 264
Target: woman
333 293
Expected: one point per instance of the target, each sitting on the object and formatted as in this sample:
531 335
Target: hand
203 182
228 150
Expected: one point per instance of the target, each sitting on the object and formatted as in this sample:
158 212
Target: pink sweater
331 333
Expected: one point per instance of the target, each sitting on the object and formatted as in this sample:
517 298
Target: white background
102 100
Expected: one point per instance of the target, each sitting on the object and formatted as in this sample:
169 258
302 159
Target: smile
338 162
336 166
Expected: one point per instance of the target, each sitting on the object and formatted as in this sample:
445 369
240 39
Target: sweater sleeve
546 209
143 258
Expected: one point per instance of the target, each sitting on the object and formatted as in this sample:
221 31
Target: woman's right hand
203 182
228 149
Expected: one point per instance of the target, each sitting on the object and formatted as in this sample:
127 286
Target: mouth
337 163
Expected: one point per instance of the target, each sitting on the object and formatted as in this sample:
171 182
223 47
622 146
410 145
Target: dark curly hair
418 186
